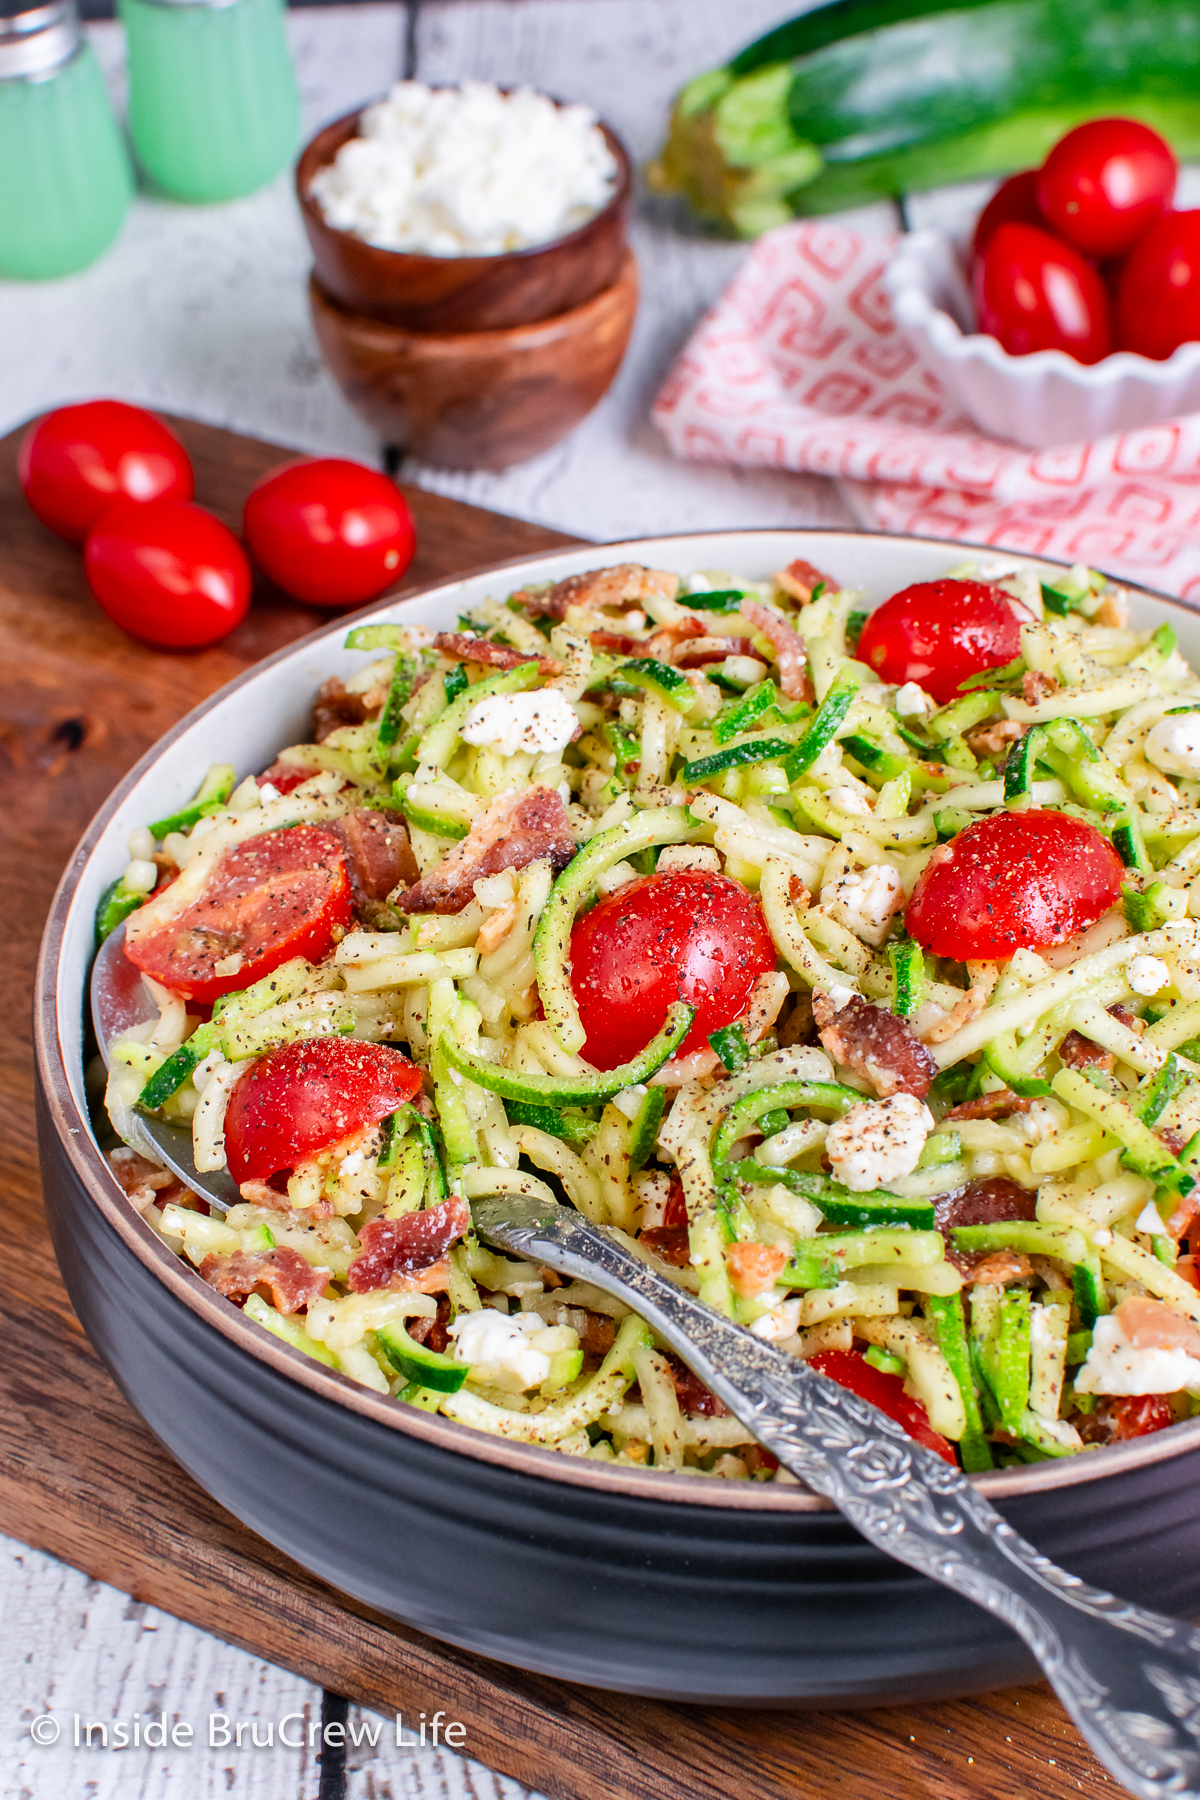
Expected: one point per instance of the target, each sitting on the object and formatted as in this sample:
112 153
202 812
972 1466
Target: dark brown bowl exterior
462 293
485 399
619 1578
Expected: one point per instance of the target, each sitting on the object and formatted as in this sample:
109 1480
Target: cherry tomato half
937 633
78 461
269 899
1104 183
168 573
1033 292
850 1370
1013 881
1158 288
300 1099
329 531
1015 200
686 935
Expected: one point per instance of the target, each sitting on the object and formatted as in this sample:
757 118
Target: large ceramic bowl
652 1584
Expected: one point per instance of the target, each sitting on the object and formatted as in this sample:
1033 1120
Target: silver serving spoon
119 1002
1130 1679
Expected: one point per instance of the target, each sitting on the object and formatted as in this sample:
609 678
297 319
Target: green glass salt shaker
65 177
213 107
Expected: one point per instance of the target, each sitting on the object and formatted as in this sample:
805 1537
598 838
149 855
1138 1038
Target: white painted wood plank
613 476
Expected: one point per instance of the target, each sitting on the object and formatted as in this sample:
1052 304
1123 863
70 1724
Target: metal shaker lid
36 41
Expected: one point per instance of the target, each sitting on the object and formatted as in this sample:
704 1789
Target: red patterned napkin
799 366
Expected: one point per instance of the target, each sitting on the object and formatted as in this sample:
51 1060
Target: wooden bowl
462 293
479 399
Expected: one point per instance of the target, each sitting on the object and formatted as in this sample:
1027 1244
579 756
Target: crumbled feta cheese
1147 974
541 721
877 1141
841 996
502 1349
912 702
466 171
689 856
1041 1122
1151 1220
1174 744
849 799
783 1321
268 791
863 900
1115 1366
1061 1430
617 877
352 1163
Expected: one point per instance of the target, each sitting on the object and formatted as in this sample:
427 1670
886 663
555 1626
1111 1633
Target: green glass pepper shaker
213 107
65 177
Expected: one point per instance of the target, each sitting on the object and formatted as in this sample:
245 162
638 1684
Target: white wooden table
203 311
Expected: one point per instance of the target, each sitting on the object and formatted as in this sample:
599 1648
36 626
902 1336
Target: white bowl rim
906 290
74 1132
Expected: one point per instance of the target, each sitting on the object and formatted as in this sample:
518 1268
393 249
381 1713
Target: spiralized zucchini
724 724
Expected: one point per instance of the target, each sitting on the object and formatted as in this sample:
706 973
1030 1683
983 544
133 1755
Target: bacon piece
670 1242
414 1243
334 707
292 1281
995 1105
515 830
993 740
993 1201
596 1335
754 1267
1153 1325
801 577
496 656
1001 1267
1125 1016
1035 686
1079 1052
663 643
144 1183
432 1332
618 641
379 858
624 585
788 646
875 1043
283 777
691 1393
712 649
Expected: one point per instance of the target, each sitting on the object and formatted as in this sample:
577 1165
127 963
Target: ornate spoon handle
1130 1679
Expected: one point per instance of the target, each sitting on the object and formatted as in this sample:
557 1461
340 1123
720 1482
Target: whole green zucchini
865 98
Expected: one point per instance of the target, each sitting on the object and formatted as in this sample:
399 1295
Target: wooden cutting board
80 1476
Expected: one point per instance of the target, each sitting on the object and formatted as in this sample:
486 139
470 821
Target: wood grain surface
82 1479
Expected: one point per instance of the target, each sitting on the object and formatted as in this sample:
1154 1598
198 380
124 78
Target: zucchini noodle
1011 1241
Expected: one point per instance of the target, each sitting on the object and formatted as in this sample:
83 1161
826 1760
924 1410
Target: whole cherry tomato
300 1099
1014 201
1104 183
850 1370
1158 288
686 935
330 532
937 633
1034 293
1013 881
169 573
274 897
78 461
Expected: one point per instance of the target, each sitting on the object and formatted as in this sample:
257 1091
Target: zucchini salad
843 964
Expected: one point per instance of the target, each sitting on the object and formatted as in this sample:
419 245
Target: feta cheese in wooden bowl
461 209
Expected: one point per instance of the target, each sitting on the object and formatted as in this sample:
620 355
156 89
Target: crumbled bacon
379 858
485 650
993 1201
710 649
670 1242
1124 1016
620 641
283 777
753 1268
876 1044
292 1281
663 643
801 578
996 1105
691 1393
993 740
1001 1267
515 830
625 585
1035 686
432 1331
1079 1052
412 1244
144 1182
597 1335
787 644
334 707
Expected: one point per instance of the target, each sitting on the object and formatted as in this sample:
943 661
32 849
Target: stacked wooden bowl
472 362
